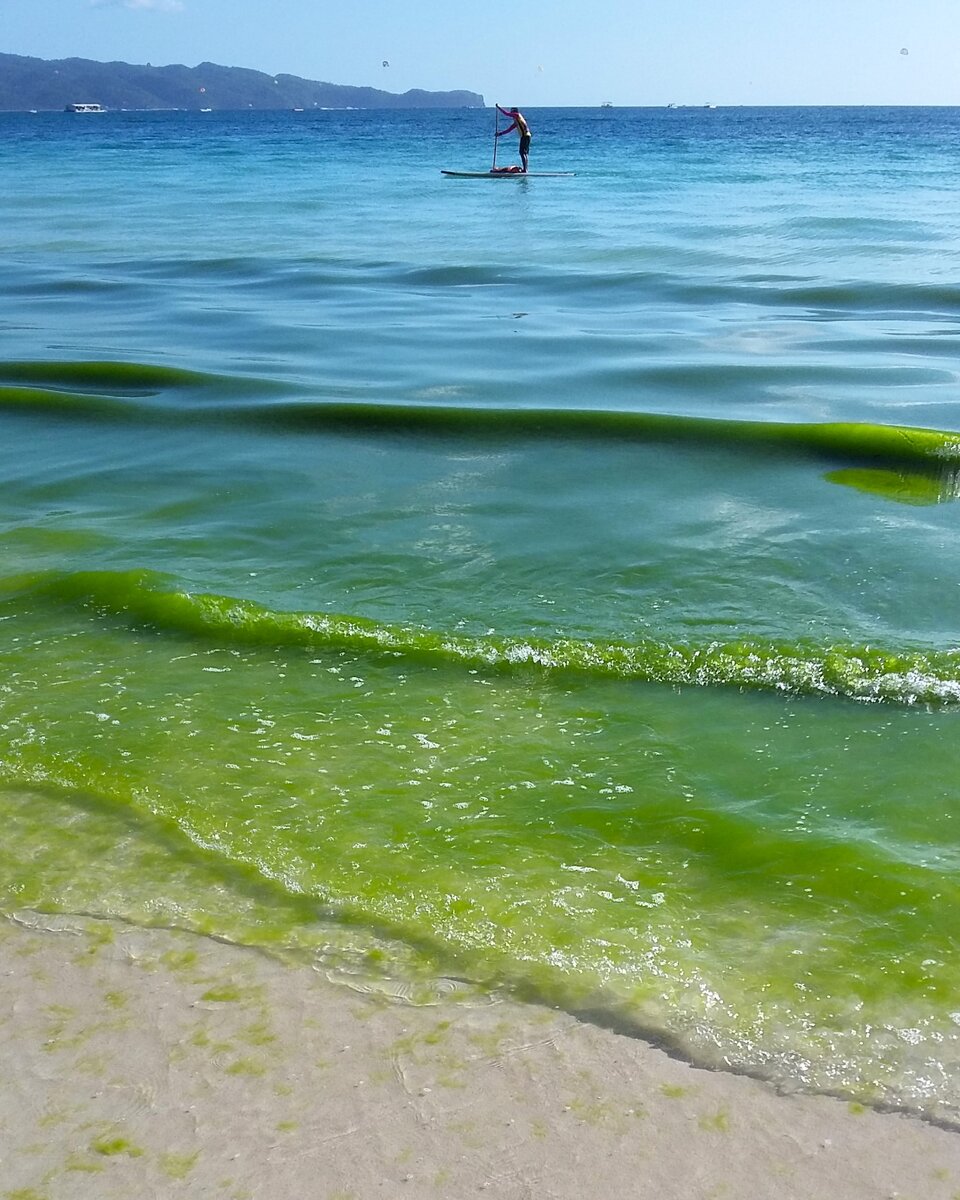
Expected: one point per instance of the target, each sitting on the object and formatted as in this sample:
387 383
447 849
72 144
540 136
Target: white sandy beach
140 1064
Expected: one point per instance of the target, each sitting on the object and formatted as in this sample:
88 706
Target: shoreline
161 1063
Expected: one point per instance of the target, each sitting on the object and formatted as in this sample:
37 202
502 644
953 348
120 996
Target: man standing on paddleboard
520 124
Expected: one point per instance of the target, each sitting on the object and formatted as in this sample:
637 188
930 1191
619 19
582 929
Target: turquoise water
543 585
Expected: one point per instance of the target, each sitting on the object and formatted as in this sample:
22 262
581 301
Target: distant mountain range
37 83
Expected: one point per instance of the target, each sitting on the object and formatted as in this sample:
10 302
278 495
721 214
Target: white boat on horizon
85 108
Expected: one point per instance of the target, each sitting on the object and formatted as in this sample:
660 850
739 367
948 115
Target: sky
533 53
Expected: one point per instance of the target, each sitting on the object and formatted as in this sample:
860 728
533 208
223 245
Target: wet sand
161 1064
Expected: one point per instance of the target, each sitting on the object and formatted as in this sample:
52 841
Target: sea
533 587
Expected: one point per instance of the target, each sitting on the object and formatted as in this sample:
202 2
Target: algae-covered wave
847 441
141 392
101 375
80 384
867 673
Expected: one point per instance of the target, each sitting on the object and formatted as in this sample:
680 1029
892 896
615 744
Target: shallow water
545 584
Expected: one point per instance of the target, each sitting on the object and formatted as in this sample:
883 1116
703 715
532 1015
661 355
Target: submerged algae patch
905 487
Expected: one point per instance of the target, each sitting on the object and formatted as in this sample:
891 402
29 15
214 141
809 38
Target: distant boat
607 104
85 108
206 110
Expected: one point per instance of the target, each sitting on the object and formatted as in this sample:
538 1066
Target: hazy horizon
538 54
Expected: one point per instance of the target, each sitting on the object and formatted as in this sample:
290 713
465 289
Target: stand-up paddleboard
508 174
496 172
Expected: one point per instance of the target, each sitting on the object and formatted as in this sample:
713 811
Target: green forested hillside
36 83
